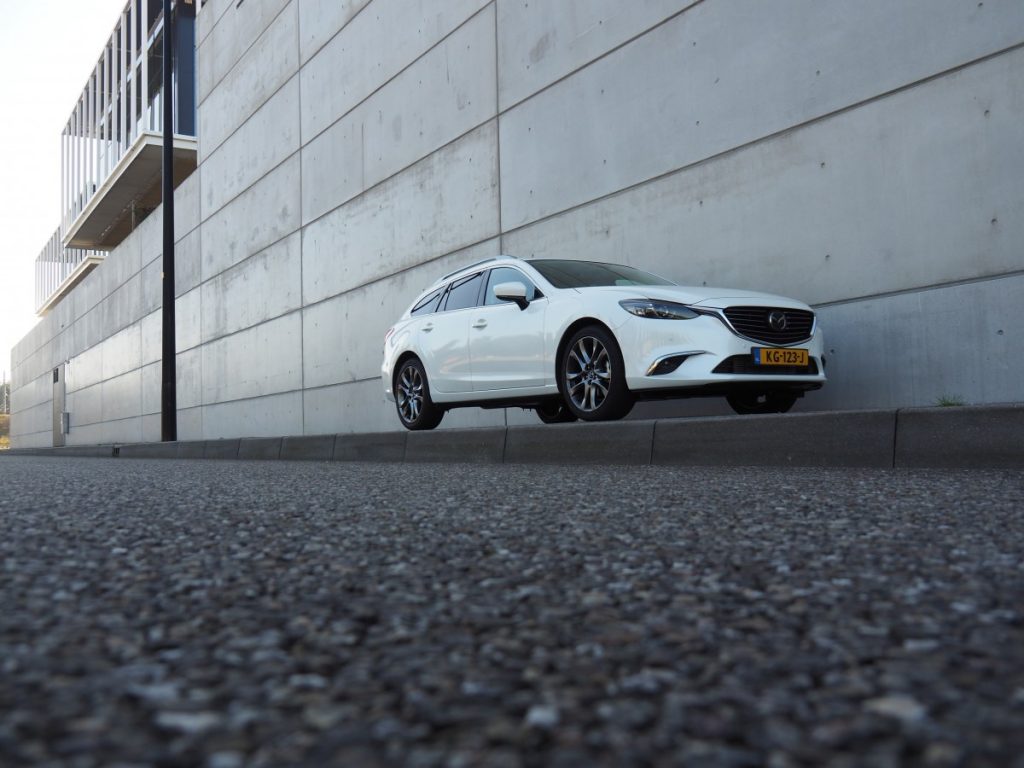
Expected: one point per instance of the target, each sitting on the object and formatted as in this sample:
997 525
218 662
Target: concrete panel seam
328 41
241 55
344 383
397 272
184 235
92 308
402 170
209 31
311 305
497 127
297 153
762 139
306 140
604 55
923 288
366 191
241 400
223 143
302 298
84 424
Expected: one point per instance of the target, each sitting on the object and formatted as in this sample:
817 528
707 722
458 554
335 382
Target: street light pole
168 395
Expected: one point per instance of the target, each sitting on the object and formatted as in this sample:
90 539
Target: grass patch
949 401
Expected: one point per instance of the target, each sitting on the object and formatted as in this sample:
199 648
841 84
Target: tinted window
429 304
464 293
582 274
501 275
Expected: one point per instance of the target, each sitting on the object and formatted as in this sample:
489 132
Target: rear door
443 337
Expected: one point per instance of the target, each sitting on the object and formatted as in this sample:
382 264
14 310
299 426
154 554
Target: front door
506 343
506 346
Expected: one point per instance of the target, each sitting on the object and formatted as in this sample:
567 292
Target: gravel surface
224 614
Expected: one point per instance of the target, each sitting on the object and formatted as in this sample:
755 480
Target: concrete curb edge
975 437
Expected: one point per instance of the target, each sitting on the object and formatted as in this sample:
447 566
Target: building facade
862 157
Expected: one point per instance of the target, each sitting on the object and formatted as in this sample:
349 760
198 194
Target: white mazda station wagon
586 340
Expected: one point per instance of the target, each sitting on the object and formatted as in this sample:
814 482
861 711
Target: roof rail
469 266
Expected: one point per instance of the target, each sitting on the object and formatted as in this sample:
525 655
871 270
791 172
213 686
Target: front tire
593 376
412 397
761 402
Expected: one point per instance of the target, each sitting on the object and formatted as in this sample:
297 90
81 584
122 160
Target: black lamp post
168 394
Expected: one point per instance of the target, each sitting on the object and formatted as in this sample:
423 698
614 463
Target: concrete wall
108 334
863 157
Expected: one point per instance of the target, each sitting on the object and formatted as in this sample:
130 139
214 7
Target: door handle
480 324
427 328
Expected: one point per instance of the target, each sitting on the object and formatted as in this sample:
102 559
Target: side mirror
512 292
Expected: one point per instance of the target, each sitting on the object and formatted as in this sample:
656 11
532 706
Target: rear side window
464 293
428 304
501 275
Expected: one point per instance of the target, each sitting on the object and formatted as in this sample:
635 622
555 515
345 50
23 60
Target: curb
968 437
836 439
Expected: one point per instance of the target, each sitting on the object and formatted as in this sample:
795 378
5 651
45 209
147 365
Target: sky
48 49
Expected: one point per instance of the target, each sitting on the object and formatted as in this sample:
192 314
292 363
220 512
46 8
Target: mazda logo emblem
777 320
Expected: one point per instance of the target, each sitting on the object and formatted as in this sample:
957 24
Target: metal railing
121 100
57 265
116 107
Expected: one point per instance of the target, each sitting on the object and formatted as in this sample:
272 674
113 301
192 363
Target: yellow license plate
768 356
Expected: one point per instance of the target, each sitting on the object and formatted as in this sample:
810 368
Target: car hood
701 296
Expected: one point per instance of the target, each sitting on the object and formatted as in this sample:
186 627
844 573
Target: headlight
660 310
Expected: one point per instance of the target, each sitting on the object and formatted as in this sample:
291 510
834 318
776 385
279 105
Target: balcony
59 269
111 145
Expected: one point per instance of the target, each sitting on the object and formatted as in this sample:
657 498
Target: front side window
464 293
563 273
501 275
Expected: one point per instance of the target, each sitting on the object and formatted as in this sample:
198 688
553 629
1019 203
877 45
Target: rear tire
593 376
554 412
761 402
412 397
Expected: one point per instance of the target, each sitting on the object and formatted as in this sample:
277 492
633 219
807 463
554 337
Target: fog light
666 365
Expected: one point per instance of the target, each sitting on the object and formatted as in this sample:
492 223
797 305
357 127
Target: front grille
744 364
753 323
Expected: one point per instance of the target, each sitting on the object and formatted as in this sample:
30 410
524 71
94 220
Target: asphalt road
222 614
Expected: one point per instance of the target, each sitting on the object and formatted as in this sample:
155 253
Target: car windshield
563 273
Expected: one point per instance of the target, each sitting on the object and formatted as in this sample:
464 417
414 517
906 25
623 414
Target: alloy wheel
410 393
588 374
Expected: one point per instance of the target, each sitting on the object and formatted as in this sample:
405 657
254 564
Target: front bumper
707 342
